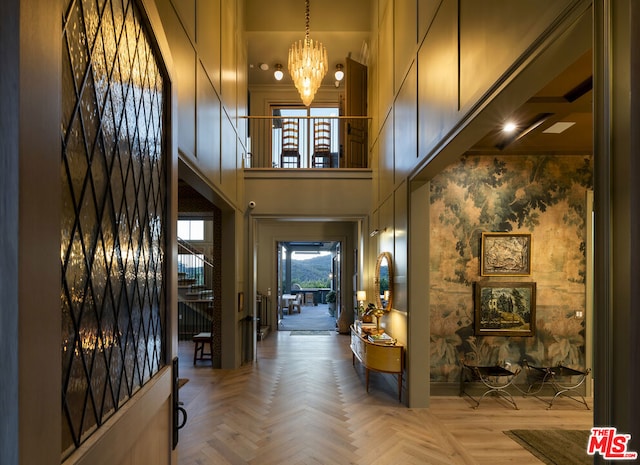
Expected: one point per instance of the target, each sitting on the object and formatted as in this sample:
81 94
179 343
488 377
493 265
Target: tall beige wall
206 42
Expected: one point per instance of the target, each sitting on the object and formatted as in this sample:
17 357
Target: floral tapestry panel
541 196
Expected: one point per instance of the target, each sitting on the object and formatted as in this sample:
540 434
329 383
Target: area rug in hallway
554 446
310 333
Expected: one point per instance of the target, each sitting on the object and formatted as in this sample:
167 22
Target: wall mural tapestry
541 196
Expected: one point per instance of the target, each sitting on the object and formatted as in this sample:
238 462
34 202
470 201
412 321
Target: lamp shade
361 295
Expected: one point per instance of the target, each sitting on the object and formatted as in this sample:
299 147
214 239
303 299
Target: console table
384 358
562 379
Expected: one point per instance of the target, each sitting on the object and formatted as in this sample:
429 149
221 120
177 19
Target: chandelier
307 64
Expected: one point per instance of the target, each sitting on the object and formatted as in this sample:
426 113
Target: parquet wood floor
302 402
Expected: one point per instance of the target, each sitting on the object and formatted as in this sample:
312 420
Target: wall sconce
375 232
278 74
339 74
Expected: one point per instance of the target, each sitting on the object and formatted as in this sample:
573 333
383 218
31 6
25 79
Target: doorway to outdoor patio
308 285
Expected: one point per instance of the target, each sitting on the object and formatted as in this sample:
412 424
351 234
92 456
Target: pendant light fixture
307 64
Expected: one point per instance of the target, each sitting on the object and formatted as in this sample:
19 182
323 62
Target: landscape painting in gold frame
505 254
505 309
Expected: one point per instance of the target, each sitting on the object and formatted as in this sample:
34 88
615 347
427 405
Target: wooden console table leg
399 387
366 376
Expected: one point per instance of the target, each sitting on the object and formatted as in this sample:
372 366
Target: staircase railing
195 291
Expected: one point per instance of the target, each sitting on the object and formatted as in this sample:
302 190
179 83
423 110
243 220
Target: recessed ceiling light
509 127
559 127
264 66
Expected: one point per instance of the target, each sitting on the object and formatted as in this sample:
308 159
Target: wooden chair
201 340
290 156
309 298
322 144
297 303
285 306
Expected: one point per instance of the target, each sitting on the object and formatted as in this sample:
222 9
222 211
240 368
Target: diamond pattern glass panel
113 171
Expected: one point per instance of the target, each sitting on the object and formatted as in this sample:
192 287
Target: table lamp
361 296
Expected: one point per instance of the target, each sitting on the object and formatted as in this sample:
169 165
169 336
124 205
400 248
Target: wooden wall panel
147 448
208 121
228 158
333 195
229 26
209 39
437 83
386 159
426 12
186 10
207 82
406 129
141 431
405 31
184 60
37 191
386 237
491 40
385 70
400 249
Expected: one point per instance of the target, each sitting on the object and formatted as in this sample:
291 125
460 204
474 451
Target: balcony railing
307 142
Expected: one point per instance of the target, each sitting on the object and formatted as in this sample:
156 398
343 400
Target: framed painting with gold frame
505 254
505 309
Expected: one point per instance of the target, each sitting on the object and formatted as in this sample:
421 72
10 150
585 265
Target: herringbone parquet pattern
303 402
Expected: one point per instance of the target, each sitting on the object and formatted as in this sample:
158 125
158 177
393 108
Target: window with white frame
191 230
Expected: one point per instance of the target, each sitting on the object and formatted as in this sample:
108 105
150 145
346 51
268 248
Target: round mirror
384 281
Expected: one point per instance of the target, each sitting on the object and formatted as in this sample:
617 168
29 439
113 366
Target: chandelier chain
306 20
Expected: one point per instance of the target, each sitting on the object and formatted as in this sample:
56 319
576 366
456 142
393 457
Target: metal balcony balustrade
307 142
